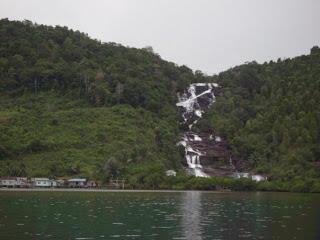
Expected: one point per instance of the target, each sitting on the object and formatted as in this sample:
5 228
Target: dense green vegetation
154 178
49 135
37 58
73 106
270 113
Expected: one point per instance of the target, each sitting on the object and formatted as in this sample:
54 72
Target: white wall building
44 182
171 173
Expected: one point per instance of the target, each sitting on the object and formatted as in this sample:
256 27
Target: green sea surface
158 215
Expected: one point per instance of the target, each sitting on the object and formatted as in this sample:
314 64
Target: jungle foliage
270 114
73 106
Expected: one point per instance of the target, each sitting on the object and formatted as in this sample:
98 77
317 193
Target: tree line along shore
179 182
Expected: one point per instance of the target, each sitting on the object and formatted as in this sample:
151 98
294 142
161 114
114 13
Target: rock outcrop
202 149
206 154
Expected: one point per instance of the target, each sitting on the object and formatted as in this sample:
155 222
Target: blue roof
77 180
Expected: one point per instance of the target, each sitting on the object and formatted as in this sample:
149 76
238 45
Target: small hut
77 182
8 182
171 173
91 184
60 183
43 182
258 178
22 182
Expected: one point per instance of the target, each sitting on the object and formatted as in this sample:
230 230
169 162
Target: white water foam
192 110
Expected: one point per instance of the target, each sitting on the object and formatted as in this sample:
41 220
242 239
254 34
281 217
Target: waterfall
192 103
231 163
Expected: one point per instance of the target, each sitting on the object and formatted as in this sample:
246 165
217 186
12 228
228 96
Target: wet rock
205 154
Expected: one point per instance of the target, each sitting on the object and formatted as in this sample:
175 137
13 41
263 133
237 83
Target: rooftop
41 179
77 180
8 178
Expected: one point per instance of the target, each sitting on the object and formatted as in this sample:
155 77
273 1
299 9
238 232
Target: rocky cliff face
202 149
206 153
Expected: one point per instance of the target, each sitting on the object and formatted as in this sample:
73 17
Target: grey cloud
210 35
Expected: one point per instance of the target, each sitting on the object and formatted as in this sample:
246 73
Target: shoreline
101 190
81 190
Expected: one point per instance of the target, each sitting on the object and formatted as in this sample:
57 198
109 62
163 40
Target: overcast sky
210 35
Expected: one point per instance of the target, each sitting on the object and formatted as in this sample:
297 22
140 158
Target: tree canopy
270 113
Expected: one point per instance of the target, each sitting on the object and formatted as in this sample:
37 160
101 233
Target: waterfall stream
192 103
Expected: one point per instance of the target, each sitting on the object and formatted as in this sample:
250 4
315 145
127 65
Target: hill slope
70 105
270 114
73 106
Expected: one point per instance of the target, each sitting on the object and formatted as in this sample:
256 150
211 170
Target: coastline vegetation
188 182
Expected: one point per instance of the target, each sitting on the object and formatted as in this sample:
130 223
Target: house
43 182
91 184
241 175
22 182
8 182
258 178
117 183
171 173
60 183
77 182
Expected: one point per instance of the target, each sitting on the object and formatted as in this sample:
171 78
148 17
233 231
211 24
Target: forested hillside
74 106
38 58
270 113
71 105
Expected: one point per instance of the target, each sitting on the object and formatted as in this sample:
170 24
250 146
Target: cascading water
192 104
